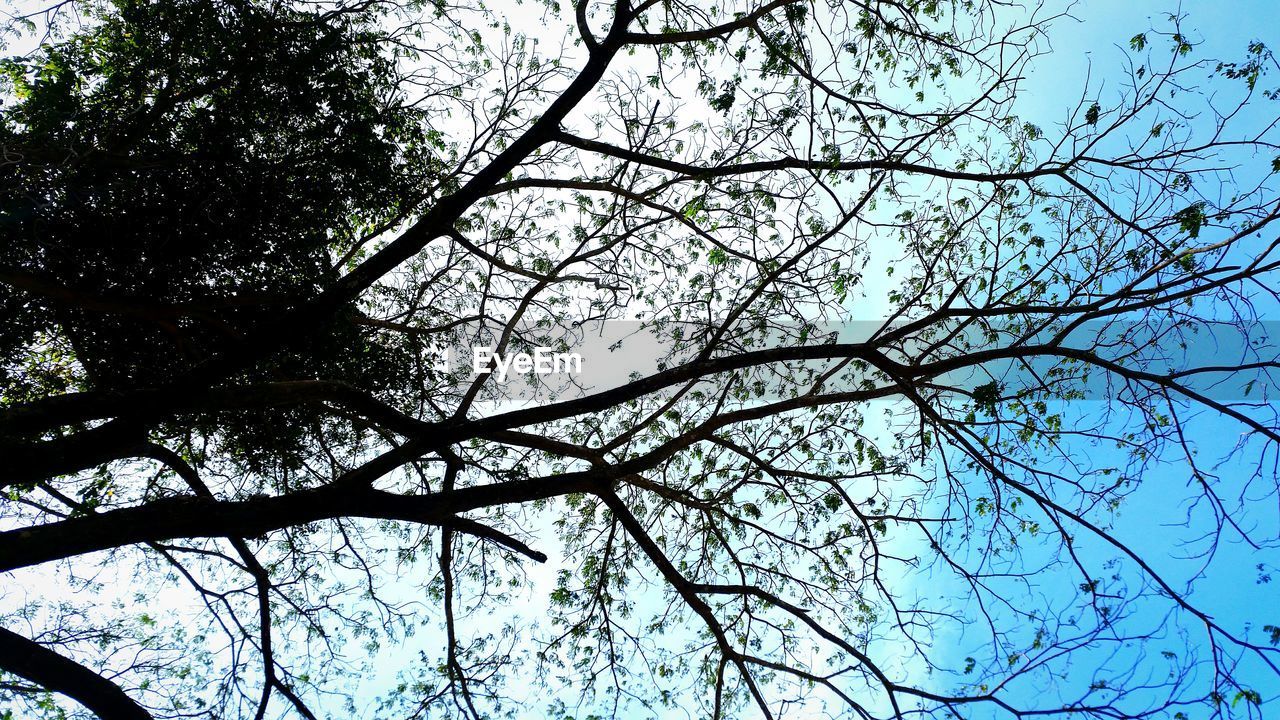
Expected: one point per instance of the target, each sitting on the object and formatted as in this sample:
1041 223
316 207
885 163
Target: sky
1154 518
1234 588
1231 589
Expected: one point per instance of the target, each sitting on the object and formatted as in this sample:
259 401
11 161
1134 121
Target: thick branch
181 517
37 663
710 33
702 172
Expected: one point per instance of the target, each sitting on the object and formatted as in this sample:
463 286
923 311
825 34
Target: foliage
185 171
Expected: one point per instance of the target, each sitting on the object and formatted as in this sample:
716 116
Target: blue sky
1157 518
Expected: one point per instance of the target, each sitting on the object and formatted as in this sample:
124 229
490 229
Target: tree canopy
912 375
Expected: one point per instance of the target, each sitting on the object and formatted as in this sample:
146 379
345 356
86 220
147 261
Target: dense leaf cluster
182 172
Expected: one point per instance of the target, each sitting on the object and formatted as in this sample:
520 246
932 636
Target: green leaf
1191 219
986 396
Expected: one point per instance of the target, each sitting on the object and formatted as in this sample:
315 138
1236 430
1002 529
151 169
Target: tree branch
37 663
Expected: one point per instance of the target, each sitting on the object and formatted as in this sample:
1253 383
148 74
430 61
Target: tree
240 234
